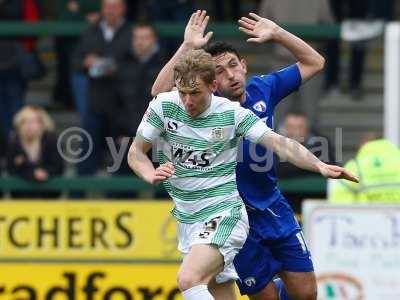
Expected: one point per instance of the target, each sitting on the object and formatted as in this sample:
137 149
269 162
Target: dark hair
296 113
217 48
145 24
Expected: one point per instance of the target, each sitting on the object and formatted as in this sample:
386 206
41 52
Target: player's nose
186 99
229 73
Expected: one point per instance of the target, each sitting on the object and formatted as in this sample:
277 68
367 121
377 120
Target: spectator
32 150
70 10
11 82
311 12
138 75
169 11
353 10
135 81
296 126
32 67
172 10
377 166
101 53
357 9
383 9
221 13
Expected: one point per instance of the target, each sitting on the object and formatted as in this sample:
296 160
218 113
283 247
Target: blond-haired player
199 133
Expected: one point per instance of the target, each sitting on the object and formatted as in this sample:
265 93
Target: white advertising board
355 249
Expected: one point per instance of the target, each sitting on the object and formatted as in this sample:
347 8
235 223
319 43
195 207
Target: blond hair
20 116
195 63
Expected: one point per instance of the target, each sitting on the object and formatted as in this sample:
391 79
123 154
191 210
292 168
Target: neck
207 105
113 24
29 141
240 99
146 56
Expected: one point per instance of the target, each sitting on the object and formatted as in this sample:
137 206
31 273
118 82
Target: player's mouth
236 85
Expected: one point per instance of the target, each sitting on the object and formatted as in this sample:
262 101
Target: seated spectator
32 151
377 166
296 126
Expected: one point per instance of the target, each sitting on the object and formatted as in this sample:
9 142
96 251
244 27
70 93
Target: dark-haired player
275 244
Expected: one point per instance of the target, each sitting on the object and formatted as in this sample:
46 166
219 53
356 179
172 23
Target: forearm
140 164
165 79
309 60
292 151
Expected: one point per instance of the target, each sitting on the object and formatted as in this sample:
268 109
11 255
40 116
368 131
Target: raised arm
295 153
143 167
194 38
261 30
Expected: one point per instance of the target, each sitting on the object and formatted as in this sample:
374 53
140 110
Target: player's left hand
336 172
260 29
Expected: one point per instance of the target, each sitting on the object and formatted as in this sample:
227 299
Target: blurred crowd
106 74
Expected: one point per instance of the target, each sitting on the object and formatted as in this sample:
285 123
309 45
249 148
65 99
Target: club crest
217 134
260 106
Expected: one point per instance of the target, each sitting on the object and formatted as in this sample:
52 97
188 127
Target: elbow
319 63
154 91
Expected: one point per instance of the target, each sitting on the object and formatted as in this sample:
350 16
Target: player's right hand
163 172
194 32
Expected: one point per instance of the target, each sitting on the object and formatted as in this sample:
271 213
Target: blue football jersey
255 172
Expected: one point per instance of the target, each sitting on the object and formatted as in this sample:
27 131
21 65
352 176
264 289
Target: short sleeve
281 83
152 125
248 125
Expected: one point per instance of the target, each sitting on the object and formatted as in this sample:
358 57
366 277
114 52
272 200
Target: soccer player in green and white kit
199 134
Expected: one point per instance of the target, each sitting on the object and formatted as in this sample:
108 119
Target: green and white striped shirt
203 150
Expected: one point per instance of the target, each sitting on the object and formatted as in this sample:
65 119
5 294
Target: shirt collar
110 30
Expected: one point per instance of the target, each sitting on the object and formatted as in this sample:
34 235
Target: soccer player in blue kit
275 244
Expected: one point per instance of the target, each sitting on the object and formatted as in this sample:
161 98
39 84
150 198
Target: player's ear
243 62
213 86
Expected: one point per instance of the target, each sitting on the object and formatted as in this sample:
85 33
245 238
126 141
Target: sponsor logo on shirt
260 106
172 126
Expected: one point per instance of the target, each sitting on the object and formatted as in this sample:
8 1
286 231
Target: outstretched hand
336 172
260 29
195 28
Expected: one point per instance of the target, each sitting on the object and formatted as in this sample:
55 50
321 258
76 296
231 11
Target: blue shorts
275 244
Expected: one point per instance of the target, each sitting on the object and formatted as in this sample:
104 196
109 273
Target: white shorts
227 230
